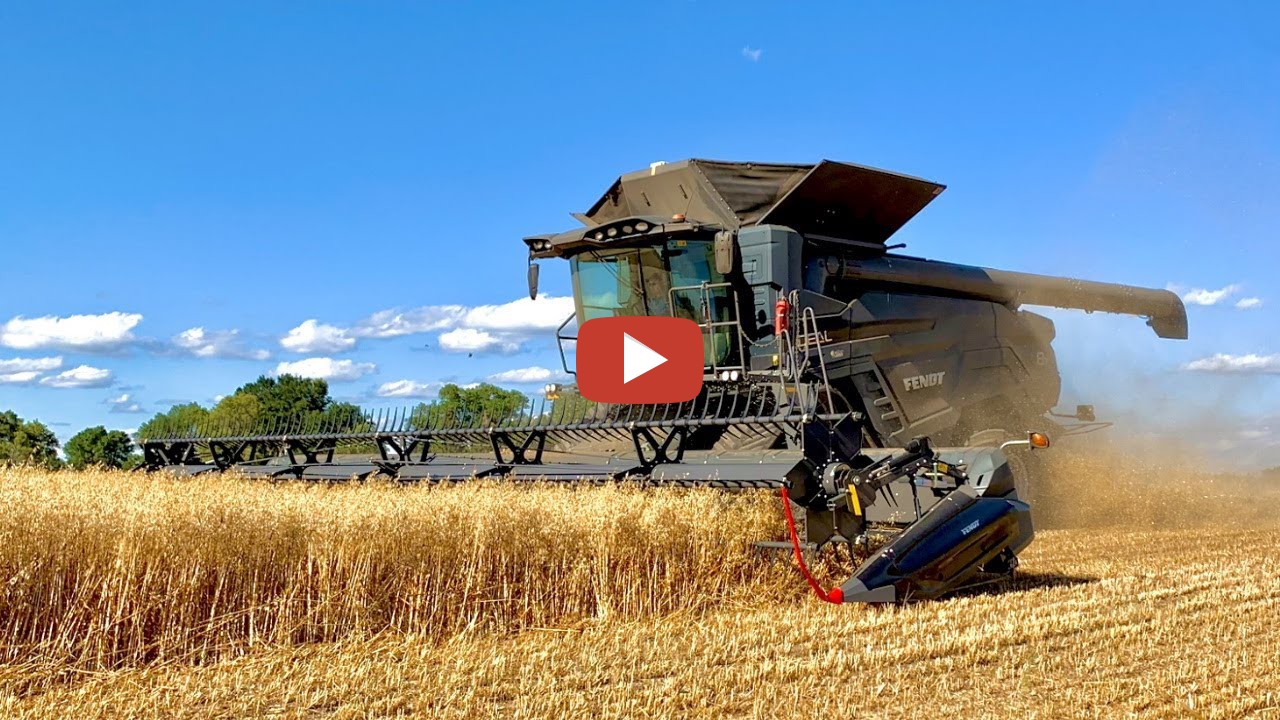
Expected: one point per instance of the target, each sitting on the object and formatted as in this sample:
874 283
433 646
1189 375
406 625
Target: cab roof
827 198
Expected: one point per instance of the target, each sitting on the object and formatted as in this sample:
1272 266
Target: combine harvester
881 394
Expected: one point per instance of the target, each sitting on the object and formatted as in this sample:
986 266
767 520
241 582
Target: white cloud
315 337
408 389
752 54
38 365
79 377
394 323
1251 363
326 369
1206 298
124 403
534 374
502 327
1249 303
523 315
109 331
470 340
216 344
18 378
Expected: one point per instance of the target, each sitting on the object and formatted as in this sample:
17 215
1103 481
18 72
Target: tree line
287 401
30 442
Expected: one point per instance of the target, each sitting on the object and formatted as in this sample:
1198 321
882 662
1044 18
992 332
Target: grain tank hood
828 198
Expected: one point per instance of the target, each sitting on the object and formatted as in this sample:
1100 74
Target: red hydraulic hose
835 595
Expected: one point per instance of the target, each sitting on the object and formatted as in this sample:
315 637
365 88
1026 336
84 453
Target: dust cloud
1107 485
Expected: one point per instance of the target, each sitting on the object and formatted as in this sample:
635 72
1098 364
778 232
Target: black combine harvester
885 396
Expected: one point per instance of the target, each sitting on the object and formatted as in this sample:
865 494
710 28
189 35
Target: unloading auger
832 367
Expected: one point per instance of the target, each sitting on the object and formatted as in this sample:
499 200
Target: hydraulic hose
835 595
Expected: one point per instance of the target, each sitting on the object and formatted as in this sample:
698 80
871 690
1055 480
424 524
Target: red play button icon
639 360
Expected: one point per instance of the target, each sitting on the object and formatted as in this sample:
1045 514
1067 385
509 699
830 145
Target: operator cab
674 277
719 243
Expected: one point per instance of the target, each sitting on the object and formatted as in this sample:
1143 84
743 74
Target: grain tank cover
830 198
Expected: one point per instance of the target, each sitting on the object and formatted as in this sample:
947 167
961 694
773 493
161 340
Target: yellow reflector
854 505
1039 440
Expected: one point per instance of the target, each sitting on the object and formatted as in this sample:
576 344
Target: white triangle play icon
637 358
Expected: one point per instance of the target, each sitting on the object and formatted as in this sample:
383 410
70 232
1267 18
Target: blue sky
201 179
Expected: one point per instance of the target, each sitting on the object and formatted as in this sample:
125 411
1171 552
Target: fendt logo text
927 380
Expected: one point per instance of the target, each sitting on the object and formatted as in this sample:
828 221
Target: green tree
184 419
237 414
99 446
477 405
288 399
338 417
27 442
468 407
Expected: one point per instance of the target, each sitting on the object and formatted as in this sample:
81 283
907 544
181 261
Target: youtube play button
639 360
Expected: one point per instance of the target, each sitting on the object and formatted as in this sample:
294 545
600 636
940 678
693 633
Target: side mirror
724 252
533 280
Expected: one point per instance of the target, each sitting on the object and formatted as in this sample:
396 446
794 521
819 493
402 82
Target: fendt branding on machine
916 382
812 333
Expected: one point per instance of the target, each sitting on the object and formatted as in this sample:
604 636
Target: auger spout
1164 311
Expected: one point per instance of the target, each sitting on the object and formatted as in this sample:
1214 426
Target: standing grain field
151 596
103 570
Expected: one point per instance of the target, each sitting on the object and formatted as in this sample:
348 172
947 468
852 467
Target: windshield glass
619 282
648 280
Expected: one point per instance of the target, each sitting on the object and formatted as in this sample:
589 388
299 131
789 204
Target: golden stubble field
1156 595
